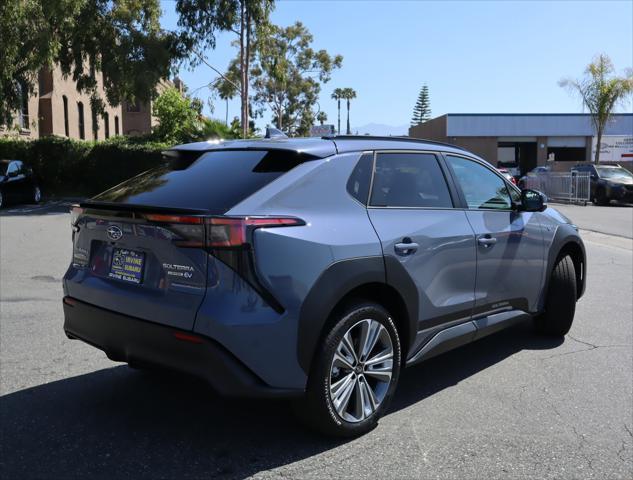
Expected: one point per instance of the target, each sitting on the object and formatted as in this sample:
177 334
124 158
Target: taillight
221 232
225 232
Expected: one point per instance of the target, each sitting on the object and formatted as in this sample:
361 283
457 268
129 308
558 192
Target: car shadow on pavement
117 422
49 208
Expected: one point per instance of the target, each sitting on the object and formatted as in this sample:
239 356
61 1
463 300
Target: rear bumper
128 339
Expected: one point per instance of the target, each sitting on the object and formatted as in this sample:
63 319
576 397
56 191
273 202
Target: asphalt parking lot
513 405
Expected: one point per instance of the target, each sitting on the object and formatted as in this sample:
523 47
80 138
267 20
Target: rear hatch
142 248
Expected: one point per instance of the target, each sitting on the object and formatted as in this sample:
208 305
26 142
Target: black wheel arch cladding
340 280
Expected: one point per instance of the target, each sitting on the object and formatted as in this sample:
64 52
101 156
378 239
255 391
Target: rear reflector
185 337
71 302
156 217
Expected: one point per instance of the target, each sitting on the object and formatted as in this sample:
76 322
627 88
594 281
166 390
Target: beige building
523 141
57 108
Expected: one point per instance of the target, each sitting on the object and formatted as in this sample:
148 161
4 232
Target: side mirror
533 201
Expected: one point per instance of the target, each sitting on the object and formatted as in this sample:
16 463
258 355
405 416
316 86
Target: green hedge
67 167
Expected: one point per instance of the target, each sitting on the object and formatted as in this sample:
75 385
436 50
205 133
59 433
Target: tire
37 195
600 197
365 385
560 303
1 200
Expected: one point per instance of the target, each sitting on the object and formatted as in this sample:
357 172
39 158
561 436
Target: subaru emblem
114 232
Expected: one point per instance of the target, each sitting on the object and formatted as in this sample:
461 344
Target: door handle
405 248
487 241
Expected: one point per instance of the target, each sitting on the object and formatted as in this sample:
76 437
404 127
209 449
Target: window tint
359 180
481 187
215 182
409 180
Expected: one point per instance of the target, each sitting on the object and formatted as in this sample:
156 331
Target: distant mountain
381 129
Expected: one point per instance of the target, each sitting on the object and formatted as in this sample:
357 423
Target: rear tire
560 303
348 391
600 197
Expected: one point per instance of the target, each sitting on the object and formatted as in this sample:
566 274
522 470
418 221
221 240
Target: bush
66 167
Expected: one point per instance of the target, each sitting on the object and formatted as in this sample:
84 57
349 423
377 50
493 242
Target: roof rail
388 138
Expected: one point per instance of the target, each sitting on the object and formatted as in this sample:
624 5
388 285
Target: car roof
321 147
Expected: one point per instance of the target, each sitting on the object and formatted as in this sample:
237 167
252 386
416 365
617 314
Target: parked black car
608 182
17 183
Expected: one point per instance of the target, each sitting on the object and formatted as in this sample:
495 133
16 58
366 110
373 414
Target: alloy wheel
361 370
37 194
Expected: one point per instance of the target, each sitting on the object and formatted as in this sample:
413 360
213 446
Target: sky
475 56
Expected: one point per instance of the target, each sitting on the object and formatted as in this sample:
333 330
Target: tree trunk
339 117
596 158
349 130
243 98
247 64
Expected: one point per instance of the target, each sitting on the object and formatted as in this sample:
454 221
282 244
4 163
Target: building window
106 124
95 125
134 107
82 124
66 130
116 125
24 107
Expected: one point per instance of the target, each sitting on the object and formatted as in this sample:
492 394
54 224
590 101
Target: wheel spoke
349 345
370 339
363 334
369 395
341 392
361 401
341 359
382 373
379 358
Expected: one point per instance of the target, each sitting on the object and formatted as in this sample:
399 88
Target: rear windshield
216 181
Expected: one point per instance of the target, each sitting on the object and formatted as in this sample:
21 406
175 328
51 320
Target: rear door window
214 182
409 180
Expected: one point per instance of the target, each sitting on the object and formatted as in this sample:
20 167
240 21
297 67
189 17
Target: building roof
532 124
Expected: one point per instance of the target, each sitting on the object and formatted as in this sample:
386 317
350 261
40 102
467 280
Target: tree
422 109
348 94
337 95
321 117
288 75
121 39
178 119
601 91
201 20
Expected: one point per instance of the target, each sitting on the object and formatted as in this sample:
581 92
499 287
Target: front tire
560 303
354 374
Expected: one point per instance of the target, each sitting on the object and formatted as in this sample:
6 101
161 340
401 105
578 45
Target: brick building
57 108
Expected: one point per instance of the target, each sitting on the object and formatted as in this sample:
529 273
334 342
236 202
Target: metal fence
572 187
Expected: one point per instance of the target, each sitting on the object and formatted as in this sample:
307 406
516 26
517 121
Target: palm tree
600 91
348 94
321 117
338 95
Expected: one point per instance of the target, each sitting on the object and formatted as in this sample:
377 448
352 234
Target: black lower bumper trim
128 339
